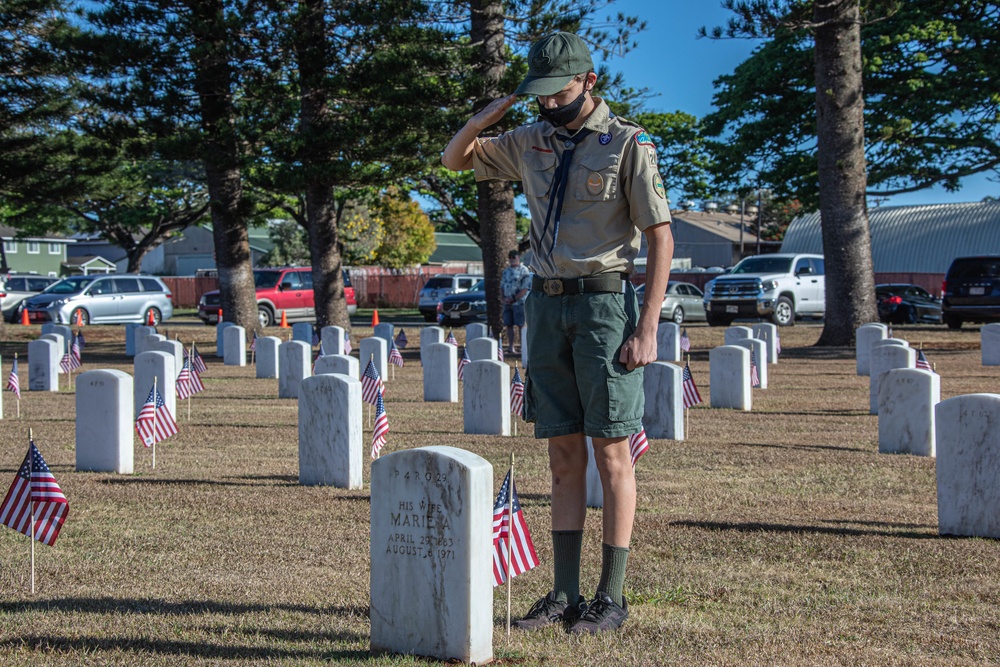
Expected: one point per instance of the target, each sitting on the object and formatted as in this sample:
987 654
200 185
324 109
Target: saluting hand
493 112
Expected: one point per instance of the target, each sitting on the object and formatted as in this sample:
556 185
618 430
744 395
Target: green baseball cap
553 61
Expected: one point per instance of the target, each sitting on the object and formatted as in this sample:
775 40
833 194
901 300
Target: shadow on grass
815 413
821 448
153 606
787 528
286 480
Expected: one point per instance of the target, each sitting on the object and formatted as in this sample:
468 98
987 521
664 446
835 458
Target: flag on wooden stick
155 423
691 395
509 525
372 387
395 358
638 445
381 428
517 394
35 494
13 381
463 362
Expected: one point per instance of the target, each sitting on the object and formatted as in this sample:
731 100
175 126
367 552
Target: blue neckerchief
559 180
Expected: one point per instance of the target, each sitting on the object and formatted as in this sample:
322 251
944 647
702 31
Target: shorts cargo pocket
528 409
625 392
539 168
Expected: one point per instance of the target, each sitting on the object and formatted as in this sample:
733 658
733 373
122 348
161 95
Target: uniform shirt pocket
598 177
539 169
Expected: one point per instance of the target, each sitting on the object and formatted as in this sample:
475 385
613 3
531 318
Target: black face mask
561 116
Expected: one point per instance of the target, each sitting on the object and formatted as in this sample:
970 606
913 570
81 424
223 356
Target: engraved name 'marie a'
401 520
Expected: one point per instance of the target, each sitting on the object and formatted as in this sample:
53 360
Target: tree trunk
850 282
220 154
311 51
495 207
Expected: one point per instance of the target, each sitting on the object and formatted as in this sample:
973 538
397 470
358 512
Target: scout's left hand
638 350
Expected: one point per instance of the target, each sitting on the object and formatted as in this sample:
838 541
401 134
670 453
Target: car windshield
975 267
764 264
71 285
438 283
480 286
265 278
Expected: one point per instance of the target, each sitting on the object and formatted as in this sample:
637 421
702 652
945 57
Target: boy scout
592 187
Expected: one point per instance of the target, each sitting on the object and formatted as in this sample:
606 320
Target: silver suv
102 299
440 286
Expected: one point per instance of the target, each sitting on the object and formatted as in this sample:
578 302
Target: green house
43 255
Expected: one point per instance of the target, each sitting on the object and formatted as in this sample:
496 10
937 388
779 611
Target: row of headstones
668 339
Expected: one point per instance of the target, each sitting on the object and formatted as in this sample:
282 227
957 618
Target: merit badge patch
658 186
595 183
643 139
605 138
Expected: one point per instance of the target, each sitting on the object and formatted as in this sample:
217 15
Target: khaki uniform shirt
614 191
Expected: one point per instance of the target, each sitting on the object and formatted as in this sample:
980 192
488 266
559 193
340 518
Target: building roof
453 247
719 223
87 260
913 239
13 234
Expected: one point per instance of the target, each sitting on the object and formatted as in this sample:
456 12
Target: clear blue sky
677 66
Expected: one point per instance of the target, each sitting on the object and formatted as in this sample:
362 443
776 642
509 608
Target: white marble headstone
440 373
377 350
729 377
294 366
174 348
481 348
885 358
906 400
385 331
760 353
159 365
342 364
768 333
303 331
330 438
130 338
989 336
236 346
668 342
486 398
43 365
58 340
431 554
429 336
266 356
105 424
476 330
733 334
332 338
65 332
864 336
968 465
220 338
664 412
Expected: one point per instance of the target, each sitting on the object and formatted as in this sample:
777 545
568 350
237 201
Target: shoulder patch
643 139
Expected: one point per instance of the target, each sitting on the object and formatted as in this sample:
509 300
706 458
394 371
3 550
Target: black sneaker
602 614
549 611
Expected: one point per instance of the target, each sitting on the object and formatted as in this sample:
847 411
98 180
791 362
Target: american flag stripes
69 363
463 362
79 339
13 382
395 358
450 339
183 383
197 363
638 445
381 428
253 342
155 423
499 349
691 395
922 362
196 384
510 526
35 485
347 343
685 341
401 339
517 394
372 388
777 343
76 348
754 372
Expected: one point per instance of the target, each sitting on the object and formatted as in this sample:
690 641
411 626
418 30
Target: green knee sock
613 560
566 547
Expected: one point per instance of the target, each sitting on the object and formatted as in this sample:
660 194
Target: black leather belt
604 282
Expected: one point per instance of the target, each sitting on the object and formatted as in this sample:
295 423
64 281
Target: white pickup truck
778 287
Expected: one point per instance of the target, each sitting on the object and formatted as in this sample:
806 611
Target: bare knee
567 458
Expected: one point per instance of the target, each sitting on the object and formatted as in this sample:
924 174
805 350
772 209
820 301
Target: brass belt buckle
552 287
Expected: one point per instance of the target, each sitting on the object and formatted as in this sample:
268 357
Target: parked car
102 299
681 303
16 288
441 286
465 307
907 304
971 291
288 290
779 287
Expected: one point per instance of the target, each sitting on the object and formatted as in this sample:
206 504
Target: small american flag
754 374
13 382
451 339
155 423
372 388
253 342
890 331
77 347
517 394
499 349
347 343
395 358
183 383
691 395
777 342
381 427
922 362
523 556
638 445
34 484
463 362
196 384
69 363
197 363
79 339
685 341
401 339
315 338
320 353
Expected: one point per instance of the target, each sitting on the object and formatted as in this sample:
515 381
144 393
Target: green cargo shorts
575 382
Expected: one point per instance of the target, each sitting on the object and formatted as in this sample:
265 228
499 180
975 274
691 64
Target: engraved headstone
174 348
341 364
729 377
989 336
303 331
733 334
440 373
266 355
486 398
664 412
760 356
220 338
294 366
429 336
968 465
160 365
668 342
104 422
377 350
330 431
906 400
64 331
768 333
149 342
864 336
476 330
332 338
58 340
431 554
386 331
482 348
130 328
43 365
236 346
885 358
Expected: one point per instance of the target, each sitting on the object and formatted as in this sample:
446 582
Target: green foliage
361 233
681 152
408 235
291 245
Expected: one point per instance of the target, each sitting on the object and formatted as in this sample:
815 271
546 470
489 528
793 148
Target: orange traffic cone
79 318
219 314
284 320
24 317
375 318
149 319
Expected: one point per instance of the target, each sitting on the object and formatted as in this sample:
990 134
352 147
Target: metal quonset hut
914 244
